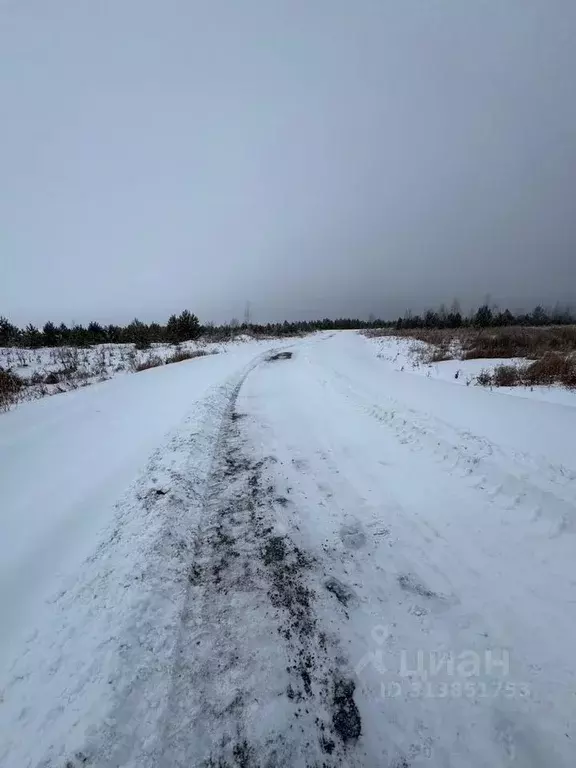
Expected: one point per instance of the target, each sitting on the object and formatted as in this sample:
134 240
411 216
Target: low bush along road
287 556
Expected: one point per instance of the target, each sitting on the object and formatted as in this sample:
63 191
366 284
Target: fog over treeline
317 159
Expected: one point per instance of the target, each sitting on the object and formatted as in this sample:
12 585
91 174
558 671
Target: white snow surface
146 522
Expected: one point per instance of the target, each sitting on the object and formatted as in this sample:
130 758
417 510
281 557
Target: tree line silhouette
186 326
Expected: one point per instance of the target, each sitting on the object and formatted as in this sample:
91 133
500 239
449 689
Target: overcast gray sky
316 157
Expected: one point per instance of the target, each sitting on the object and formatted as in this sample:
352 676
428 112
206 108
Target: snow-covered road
326 562
65 461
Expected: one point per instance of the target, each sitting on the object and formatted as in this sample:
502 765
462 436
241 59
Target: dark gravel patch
280 356
346 717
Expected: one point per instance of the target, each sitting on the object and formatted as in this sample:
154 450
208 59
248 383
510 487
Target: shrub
506 376
484 378
52 378
152 361
439 355
10 386
552 368
179 355
569 379
67 357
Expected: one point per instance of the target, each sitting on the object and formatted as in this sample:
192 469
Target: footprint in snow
352 536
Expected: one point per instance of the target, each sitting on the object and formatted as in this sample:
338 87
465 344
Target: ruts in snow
256 680
328 562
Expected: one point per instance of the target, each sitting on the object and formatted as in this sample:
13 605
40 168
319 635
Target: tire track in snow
96 697
255 680
545 496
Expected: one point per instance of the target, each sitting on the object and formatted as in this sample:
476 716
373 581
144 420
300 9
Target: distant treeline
484 317
179 328
186 326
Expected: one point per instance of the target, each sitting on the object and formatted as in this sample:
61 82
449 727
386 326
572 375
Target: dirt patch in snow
252 598
346 718
341 591
280 356
409 583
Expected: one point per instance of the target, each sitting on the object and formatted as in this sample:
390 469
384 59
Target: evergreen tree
78 336
539 316
156 332
63 334
95 333
183 328
9 334
113 334
504 318
138 333
172 330
50 334
431 319
483 316
454 319
188 326
32 337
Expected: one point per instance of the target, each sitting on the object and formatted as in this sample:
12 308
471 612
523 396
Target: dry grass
484 378
152 361
552 368
10 386
506 376
438 355
551 350
511 341
180 355
520 342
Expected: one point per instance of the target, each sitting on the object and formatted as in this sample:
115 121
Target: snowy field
312 556
53 370
409 355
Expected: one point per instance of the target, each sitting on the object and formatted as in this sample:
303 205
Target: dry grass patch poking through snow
179 355
10 387
531 356
507 376
517 341
551 369
152 361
